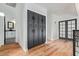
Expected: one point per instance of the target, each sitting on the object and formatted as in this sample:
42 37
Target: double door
66 28
36 29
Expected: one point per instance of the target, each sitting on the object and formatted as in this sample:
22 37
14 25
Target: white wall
49 24
19 25
23 22
1 30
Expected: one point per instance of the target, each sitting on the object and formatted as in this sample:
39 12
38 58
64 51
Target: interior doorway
9 31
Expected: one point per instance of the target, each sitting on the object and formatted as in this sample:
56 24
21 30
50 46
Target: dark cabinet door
40 30
36 29
30 29
30 37
35 26
44 29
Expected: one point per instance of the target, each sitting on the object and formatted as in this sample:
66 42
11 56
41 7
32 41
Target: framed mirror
10 25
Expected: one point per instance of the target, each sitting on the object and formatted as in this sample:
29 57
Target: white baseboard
25 50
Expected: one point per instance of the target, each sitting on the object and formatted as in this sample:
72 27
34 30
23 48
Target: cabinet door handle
42 20
33 17
33 30
42 30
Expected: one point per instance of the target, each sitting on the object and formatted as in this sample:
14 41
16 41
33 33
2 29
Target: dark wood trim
59 29
68 20
4 31
75 24
73 43
27 28
66 30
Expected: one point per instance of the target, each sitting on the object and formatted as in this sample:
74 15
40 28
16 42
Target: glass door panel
62 29
71 27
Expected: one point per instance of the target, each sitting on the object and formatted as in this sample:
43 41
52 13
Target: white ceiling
11 4
60 8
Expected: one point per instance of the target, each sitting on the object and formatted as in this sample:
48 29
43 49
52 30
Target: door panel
62 29
30 17
30 42
40 29
35 29
71 27
44 29
30 29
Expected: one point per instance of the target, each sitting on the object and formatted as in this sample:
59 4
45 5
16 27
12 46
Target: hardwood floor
11 50
52 48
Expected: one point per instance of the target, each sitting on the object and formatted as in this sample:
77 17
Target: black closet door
40 30
35 26
44 29
30 29
36 29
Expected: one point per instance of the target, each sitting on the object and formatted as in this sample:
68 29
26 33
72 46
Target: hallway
52 48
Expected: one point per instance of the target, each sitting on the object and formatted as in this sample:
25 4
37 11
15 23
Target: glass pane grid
70 27
62 29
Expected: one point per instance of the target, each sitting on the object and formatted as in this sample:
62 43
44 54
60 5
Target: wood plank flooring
11 50
52 48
